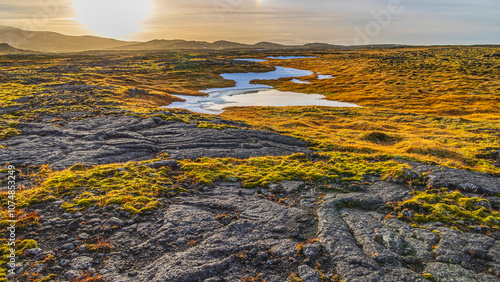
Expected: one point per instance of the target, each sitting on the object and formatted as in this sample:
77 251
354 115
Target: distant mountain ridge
46 41
7 49
160 44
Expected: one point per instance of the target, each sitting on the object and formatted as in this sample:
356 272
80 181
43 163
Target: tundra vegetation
433 105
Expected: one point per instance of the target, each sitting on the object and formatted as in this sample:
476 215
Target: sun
112 18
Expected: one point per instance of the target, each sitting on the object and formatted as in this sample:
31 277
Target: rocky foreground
103 140
291 230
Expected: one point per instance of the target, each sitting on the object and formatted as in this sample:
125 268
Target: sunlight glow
113 18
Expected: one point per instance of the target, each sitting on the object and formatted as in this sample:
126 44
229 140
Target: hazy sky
285 21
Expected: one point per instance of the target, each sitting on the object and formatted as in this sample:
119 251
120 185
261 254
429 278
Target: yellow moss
429 139
261 171
132 186
428 276
454 209
19 252
204 124
48 278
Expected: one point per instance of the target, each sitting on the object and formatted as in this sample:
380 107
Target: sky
345 22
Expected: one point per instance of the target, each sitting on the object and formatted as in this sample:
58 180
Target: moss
8 129
294 278
378 137
19 247
454 81
261 171
134 187
204 124
100 247
428 276
451 208
48 277
384 133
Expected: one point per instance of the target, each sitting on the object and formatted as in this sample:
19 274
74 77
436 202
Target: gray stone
114 221
66 215
291 186
33 252
312 250
73 225
308 274
466 181
452 272
83 236
94 221
214 255
38 268
81 263
362 244
285 248
460 248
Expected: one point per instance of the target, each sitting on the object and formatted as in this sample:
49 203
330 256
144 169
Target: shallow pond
290 57
245 94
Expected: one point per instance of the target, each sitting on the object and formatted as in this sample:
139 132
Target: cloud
291 21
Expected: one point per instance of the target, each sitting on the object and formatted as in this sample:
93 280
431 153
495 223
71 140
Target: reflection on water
243 79
251 60
295 80
290 57
217 101
324 76
245 94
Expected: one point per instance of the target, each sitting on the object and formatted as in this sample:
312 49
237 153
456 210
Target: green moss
204 124
451 208
261 171
134 187
5 252
8 128
428 276
174 116
378 137
48 277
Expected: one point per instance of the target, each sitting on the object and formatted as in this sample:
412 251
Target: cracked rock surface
224 232
228 233
103 140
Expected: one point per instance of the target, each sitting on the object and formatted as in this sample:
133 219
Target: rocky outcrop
224 232
257 231
227 233
466 181
104 140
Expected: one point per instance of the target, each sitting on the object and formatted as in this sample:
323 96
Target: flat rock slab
227 233
105 140
262 231
466 181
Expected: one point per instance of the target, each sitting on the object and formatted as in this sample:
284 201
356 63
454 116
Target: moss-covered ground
452 208
437 105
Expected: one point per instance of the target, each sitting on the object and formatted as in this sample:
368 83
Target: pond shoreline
245 94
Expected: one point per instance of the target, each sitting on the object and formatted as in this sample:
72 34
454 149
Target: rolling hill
7 49
46 41
217 45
